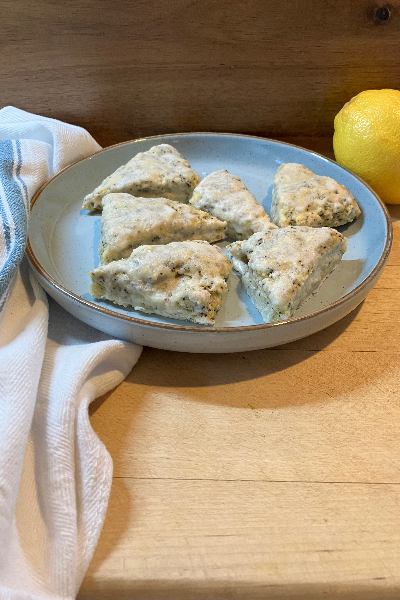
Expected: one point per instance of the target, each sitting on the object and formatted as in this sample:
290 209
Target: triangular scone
300 197
160 172
225 196
281 268
128 222
181 280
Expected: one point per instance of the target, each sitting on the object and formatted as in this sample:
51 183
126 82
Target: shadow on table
394 211
290 375
161 368
373 589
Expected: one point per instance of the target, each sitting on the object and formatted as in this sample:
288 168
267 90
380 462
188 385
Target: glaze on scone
282 268
128 222
181 280
160 172
300 197
226 197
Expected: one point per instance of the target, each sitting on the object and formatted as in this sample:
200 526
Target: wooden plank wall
130 68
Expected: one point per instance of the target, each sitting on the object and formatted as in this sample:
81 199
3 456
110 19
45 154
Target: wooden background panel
132 68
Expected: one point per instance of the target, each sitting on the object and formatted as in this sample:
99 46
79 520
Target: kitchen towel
55 474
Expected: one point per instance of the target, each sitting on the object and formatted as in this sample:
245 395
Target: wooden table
268 474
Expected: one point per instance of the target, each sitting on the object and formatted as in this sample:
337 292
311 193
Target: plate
63 240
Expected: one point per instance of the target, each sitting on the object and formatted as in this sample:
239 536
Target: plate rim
211 329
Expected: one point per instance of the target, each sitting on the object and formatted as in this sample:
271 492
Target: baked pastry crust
129 222
226 197
300 197
160 172
181 280
283 267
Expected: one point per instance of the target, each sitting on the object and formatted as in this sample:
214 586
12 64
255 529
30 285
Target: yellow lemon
367 140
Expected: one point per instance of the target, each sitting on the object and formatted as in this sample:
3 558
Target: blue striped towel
52 464
14 210
32 149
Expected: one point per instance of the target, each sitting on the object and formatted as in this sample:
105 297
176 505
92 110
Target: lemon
367 140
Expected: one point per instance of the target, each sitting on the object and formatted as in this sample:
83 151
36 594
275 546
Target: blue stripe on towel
5 226
10 155
18 173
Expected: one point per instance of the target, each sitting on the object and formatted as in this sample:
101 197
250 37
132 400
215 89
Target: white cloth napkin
55 474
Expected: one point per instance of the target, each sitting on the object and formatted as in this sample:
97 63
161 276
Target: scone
226 197
281 268
181 280
128 222
160 172
300 197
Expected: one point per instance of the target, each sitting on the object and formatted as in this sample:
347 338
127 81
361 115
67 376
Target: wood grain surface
264 475
272 474
129 69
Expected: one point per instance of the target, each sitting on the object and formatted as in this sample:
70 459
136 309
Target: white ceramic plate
63 242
